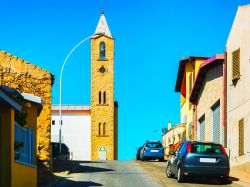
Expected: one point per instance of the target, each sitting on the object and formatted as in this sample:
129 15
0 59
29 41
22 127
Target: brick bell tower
103 108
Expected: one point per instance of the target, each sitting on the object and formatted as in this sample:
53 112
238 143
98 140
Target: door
102 153
202 128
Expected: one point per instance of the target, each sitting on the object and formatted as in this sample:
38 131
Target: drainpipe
224 95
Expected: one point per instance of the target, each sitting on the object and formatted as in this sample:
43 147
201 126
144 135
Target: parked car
65 154
199 159
138 153
152 150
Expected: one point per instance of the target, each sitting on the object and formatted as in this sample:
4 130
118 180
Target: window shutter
216 122
202 128
236 65
241 137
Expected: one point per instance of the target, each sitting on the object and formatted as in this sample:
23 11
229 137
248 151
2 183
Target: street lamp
60 104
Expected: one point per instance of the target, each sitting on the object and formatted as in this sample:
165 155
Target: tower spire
102 26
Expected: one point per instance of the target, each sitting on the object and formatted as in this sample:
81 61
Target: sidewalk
241 172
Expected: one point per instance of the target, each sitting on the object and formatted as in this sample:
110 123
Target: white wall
238 96
76 134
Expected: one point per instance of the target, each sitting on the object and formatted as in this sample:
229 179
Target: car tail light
189 148
163 151
223 150
144 149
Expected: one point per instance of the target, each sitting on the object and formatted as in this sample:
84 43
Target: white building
238 86
76 129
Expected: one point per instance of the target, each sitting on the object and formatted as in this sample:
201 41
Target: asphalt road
108 173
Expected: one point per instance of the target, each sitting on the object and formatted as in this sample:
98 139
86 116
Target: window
206 148
53 122
100 128
100 97
104 97
241 137
236 64
102 51
24 145
104 128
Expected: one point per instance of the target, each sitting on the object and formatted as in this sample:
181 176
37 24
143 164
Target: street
126 174
108 173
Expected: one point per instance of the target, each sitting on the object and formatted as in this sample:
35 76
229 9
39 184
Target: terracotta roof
204 67
181 69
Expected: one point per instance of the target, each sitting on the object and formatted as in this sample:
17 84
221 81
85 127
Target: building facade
238 81
76 129
173 137
18 140
19 74
207 97
187 72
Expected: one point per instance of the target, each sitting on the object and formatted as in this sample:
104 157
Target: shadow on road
76 166
47 178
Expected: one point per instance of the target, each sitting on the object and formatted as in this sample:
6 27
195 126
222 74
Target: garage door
216 122
202 128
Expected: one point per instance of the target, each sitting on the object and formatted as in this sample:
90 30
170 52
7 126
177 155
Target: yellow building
103 107
18 142
187 72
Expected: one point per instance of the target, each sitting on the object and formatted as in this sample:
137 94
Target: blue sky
150 38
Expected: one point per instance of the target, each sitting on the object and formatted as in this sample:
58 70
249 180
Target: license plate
208 160
154 151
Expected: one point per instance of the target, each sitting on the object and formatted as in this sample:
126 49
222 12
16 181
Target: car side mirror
171 152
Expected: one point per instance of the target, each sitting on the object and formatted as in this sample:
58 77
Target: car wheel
142 159
168 172
180 176
137 158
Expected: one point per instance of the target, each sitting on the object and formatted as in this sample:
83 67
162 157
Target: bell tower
103 108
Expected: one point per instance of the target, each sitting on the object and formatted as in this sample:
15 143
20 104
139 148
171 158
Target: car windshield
154 145
206 148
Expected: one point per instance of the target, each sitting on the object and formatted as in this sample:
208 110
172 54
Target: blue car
199 159
152 150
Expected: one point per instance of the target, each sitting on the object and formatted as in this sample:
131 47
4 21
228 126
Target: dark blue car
199 159
152 150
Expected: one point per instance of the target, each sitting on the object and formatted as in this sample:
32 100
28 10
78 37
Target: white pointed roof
102 26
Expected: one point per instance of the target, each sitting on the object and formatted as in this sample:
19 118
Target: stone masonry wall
25 77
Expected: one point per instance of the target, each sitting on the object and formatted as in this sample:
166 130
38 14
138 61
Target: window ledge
102 136
26 164
102 105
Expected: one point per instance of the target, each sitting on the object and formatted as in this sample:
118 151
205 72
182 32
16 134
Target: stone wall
25 77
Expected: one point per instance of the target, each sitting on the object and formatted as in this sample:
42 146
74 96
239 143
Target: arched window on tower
102 51
104 97
100 128
100 97
104 128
